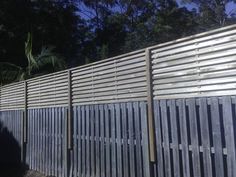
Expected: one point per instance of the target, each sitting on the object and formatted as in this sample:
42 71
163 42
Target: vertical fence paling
46 141
101 145
11 126
11 121
202 136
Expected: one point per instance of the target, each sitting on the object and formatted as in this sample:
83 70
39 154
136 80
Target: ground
31 173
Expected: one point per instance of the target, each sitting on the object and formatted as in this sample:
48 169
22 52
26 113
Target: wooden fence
110 140
46 141
196 137
167 110
12 120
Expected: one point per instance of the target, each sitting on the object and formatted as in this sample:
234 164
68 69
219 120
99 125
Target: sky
230 7
189 6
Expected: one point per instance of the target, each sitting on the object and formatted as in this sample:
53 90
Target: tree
161 25
43 63
212 13
53 22
107 29
84 31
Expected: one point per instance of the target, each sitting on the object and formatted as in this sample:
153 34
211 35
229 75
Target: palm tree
43 63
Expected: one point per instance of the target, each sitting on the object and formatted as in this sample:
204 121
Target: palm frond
48 58
32 63
10 73
47 61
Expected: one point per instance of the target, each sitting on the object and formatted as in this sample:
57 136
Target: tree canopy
83 31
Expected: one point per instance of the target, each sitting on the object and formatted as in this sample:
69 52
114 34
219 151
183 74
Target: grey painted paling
47 137
195 137
11 121
198 122
105 158
46 141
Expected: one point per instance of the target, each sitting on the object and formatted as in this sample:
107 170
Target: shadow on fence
10 155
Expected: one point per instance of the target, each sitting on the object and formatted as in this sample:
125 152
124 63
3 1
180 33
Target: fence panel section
12 96
11 136
118 79
46 141
202 65
12 121
110 140
196 137
48 91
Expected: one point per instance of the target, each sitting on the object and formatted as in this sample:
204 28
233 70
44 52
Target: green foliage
32 63
104 51
43 63
212 14
124 26
10 73
53 22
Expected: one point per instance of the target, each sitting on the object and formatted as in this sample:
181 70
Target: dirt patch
20 172
32 173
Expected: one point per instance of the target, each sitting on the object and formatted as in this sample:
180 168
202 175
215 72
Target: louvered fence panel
202 65
117 79
12 96
48 91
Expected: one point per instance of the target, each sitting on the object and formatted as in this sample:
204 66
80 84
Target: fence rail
167 110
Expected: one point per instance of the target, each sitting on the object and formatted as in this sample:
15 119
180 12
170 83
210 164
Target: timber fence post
70 112
69 125
24 124
150 118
